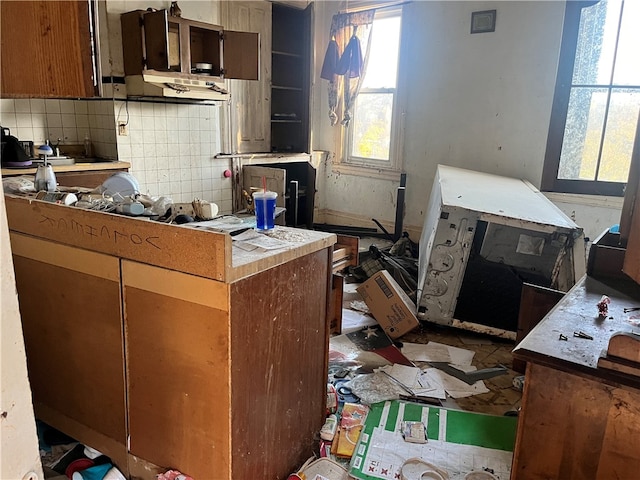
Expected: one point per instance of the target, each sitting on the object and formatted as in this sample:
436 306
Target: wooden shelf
290 79
286 54
280 87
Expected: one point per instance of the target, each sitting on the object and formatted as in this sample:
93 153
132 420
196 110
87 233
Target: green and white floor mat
458 442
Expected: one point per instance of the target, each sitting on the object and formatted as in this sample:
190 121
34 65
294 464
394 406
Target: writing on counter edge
100 232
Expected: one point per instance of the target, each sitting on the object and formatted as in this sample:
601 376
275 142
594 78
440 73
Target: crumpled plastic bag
173 475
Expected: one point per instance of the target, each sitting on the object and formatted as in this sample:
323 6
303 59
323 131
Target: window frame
394 164
550 181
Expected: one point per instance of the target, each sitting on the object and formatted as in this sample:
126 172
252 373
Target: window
371 135
597 99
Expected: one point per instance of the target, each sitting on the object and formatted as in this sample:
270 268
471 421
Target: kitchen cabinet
48 49
290 55
70 305
588 416
220 353
184 54
273 115
250 106
291 176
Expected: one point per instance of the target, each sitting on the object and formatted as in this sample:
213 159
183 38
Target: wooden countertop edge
242 271
608 377
200 253
77 167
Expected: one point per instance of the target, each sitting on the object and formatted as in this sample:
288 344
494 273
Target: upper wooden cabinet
290 81
47 49
273 115
154 41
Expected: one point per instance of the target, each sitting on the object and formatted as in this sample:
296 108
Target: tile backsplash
171 147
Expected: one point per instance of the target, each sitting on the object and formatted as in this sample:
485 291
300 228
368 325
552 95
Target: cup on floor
265 207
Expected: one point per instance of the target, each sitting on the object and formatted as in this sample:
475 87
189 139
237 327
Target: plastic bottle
87 146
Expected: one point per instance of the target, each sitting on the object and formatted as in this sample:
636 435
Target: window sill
390 174
584 199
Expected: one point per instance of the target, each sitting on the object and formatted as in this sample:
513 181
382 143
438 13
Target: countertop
77 167
577 311
207 254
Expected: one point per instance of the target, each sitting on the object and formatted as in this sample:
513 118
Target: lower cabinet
70 306
224 379
161 369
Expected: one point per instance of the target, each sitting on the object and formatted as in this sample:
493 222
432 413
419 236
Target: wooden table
165 346
578 421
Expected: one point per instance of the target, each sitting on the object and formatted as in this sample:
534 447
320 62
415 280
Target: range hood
168 86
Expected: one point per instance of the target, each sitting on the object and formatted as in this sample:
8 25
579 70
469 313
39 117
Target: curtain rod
363 8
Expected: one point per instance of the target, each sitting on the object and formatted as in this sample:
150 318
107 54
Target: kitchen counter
89 174
165 346
587 417
77 167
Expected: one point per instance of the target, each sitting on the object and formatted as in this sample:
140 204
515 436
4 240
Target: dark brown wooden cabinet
47 49
154 41
290 40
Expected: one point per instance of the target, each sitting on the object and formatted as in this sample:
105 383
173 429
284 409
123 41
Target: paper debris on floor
455 387
437 352
417 380
359 305
353 321
368 348
458 442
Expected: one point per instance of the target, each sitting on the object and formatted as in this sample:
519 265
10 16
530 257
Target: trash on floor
389 304
173 475
64 457
321 468
352 418
364 350
458 442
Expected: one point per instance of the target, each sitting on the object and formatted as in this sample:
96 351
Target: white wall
480 101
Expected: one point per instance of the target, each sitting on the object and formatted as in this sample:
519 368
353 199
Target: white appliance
484 236
165 85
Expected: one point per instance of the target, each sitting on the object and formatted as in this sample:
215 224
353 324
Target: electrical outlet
123 129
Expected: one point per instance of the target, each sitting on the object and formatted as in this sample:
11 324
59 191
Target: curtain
345 61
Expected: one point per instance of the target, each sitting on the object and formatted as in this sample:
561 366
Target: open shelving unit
290 79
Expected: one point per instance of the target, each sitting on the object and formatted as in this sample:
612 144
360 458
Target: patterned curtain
345 61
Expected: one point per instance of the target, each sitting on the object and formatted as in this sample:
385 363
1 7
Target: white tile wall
67 120
171 147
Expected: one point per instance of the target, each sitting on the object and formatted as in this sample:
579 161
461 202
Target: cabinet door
275 179
156 40
47 49
250 100
241 55
72 321
178 369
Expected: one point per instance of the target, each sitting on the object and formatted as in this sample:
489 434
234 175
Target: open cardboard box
389 304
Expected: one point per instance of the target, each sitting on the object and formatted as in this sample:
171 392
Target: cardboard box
389 304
